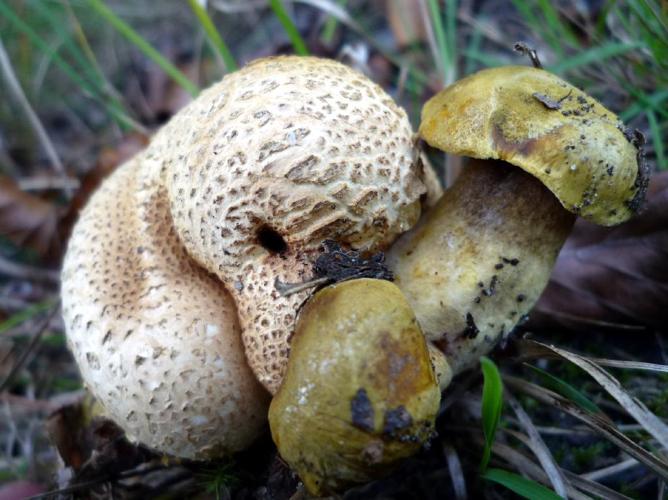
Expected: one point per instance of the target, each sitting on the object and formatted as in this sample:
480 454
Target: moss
585 457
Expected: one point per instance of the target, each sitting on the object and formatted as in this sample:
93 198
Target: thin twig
539 448
601 425
456 473
524 464
19 95
596 322
94 482
431 39
524 49
31 346
44 182
631 365
611 470
286 289
23 271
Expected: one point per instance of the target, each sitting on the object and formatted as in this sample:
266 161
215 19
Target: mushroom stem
478 261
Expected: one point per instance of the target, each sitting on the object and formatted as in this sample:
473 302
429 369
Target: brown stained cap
533 119
360 392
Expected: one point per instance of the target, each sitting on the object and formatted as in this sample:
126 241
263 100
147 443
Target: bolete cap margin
535 120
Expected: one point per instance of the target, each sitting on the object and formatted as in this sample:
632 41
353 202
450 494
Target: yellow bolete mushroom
360 392
174 262
477 262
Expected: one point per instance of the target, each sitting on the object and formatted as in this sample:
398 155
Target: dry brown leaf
112 156
27 220
615 276
406 21
158 97
91 445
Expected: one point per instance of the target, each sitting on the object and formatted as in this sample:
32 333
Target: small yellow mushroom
478 261
360 392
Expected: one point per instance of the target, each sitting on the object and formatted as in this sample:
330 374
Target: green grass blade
420 77
595 55
136 39
492 404
486 60
523 487
537 25
49 15
329 29
451 33
648 103
559 29
524 8
473 48
68 70
84 57
653 101
662 20
565 389
647 18
212 34
657 140
289 27
439 32
24 315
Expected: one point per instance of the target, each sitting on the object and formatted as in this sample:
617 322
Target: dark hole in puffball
270 240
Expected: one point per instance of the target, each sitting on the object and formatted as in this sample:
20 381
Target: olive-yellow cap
535 120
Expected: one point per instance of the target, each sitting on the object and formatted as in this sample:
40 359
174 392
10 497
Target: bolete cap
360 392
535 120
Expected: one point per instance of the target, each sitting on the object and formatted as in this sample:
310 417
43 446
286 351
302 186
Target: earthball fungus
174 262
544 152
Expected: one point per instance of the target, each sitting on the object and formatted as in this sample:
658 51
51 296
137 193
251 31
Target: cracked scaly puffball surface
177 254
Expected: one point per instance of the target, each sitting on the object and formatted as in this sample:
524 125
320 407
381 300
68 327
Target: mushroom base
477 262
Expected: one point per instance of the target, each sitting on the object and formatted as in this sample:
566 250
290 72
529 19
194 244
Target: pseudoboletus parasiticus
469 271
360 392
175 260
544 152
